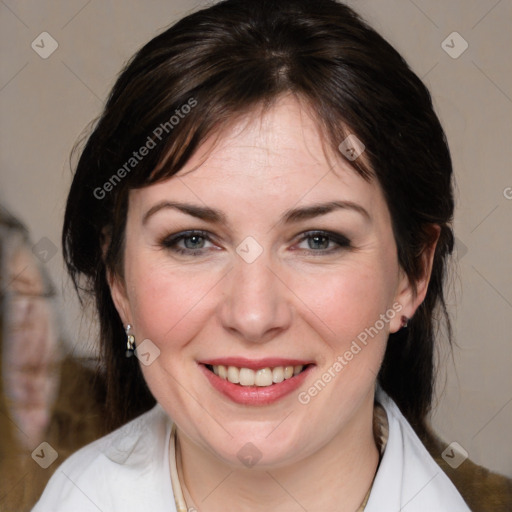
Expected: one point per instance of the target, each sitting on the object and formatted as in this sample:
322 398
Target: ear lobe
411 297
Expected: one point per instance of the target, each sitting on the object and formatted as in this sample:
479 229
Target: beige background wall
46 103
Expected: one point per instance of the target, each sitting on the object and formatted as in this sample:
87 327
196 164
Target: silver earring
130 342
405 322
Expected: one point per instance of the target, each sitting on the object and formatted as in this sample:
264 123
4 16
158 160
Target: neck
336 477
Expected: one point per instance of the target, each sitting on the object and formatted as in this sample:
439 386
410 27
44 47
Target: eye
319 241
193 242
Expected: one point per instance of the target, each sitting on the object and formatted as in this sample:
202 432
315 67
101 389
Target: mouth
251 382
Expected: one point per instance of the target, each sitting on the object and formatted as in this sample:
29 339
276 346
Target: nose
256 305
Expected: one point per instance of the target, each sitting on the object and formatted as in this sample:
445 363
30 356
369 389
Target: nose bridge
255 302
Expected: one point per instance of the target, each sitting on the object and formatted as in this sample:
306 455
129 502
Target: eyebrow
290 216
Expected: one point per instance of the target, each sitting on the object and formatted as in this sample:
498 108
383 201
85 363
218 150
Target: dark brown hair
226 60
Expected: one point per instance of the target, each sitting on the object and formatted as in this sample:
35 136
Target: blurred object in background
30 352
46 396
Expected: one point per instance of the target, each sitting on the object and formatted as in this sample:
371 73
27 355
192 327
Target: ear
115 282
119 297
406 296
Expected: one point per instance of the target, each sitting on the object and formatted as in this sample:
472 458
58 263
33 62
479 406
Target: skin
290 302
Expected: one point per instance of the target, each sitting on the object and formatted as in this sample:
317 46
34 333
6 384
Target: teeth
247 377
223 372
263 377
233 374
278 374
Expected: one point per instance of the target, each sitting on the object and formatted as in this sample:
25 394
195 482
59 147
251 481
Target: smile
255 382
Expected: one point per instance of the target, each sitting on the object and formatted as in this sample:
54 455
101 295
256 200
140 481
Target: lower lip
255 395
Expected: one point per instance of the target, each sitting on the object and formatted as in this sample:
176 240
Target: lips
255 381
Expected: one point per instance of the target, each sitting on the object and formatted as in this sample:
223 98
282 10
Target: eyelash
171 242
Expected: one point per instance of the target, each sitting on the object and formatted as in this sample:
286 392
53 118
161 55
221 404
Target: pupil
193 237
316 238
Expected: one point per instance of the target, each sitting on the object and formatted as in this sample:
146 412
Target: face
258 288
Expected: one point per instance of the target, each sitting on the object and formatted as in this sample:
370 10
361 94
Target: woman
263 215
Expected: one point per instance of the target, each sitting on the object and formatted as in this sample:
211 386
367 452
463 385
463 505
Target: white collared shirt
128 471
409 479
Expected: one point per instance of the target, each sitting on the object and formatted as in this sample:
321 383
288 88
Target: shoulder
124 470
408 477
482 489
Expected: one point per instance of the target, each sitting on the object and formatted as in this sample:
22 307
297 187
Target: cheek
348 300
166 303
351 303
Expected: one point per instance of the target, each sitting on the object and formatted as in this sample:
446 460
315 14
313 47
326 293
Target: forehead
279 157
283 139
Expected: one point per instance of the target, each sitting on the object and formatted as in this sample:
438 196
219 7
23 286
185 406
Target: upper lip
255 364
